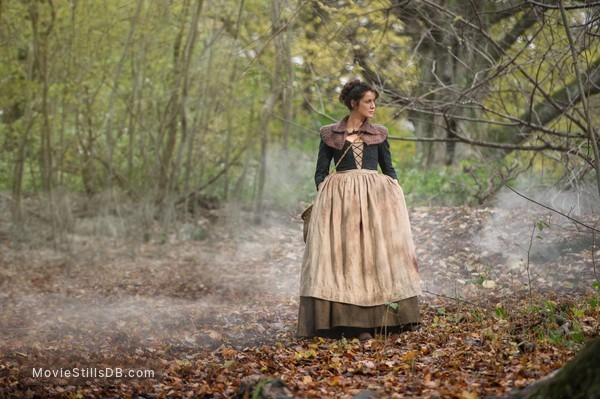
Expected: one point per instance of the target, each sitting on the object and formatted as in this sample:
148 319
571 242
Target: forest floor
507 299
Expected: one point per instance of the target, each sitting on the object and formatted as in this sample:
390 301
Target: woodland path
202 315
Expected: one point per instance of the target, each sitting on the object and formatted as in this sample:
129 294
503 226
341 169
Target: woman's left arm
384 157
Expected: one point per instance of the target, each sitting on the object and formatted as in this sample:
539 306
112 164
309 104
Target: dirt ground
508 297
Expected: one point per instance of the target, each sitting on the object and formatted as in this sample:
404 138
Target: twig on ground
479 305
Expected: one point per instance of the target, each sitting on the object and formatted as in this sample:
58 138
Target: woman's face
366 105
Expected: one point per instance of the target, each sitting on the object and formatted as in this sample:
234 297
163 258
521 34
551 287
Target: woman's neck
354 122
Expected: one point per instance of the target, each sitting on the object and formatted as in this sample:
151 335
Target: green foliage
334 32
117 93
540 225
477 315
440 186
501 312
559 324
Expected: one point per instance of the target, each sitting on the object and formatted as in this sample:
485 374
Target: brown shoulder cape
334 135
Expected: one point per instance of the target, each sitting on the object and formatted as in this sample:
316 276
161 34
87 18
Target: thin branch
593 252
279 31
586 110
578 222
479 305
479 143
528 263
430 107
214 178
551 99
561 6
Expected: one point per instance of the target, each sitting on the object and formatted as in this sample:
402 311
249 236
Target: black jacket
333 144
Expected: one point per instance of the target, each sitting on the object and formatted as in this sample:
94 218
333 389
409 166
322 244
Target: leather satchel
306 218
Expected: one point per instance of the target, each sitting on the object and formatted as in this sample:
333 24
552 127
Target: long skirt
359 269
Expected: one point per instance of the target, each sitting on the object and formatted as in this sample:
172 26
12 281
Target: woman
359 271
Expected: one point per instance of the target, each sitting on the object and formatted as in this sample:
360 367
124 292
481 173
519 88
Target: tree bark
175 108
578 379
589 127
111 142
269 105
40 61
459 59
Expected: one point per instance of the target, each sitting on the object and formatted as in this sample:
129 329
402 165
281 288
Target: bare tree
506 91
175 115
280 62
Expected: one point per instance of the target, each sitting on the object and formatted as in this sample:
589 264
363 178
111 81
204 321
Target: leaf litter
203 315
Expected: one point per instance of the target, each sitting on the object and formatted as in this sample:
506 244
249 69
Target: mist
118 291
509 246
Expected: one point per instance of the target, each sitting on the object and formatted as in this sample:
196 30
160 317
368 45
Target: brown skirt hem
319 317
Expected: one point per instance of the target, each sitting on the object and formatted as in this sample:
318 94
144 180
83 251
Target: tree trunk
454 56
40 60
578 379
111 142
175 111
185 82
264 147
269 106
232 78
554 107
442 56
19 168
19 164
288 89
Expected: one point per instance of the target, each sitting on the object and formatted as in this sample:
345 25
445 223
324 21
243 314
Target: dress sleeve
323 162
384 157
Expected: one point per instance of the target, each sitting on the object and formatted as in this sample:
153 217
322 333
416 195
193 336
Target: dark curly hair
354 91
